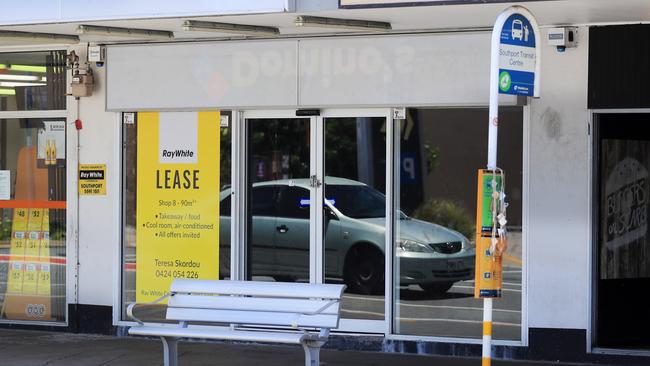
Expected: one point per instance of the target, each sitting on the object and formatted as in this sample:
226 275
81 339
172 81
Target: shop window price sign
92 180
517 56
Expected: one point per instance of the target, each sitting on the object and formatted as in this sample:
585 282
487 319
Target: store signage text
177 179
324 62
626 204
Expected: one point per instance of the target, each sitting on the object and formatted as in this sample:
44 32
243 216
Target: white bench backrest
249 302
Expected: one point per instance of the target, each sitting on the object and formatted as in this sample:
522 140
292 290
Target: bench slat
253 304
253 317
224 334
255 288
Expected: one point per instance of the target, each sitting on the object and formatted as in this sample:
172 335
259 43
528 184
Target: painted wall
98 215
559 193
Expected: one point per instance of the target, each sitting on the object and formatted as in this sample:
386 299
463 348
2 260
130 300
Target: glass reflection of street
438 154
434 226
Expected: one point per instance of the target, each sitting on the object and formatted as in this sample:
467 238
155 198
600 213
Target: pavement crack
111 360
48 362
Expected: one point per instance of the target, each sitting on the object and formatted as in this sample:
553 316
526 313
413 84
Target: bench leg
312 353
170 351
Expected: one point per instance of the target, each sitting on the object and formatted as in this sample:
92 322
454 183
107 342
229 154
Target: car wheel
436 288
364 271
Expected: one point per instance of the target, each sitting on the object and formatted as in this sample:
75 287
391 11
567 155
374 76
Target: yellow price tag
15 280
44 280
30 279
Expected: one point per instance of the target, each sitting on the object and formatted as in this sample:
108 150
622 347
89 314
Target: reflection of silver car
430 255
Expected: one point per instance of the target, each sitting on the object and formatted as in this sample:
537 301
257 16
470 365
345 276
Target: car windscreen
356 201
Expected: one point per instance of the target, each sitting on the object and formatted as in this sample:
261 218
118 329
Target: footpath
35 348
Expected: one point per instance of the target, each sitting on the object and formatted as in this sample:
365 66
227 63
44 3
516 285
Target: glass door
316 205
352 221
279 195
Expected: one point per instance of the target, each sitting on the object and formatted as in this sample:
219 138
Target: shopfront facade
332 158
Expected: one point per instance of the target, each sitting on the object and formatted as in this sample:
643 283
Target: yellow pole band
487 328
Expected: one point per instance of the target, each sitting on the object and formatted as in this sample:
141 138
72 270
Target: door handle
282 229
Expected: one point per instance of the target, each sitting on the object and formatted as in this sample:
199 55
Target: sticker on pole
517 56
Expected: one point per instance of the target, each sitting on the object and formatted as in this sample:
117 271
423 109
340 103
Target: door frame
316 222
71 282
594 152
360 325
243 169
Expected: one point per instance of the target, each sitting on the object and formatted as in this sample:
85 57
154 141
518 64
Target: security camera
563 38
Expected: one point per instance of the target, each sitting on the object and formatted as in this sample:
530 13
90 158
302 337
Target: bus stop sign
517 57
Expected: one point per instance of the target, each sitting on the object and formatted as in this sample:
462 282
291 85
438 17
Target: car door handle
282 229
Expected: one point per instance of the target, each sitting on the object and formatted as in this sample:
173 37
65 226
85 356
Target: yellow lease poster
177 200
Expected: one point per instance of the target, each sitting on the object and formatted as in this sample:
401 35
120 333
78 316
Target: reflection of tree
448 214
5 227
273 138
225 157
130 171
432 154
341 148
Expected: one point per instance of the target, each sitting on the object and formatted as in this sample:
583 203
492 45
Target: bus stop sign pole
514 69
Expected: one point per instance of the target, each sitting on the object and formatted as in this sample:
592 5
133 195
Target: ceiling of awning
403 19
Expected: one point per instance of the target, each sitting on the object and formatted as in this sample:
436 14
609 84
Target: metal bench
268 312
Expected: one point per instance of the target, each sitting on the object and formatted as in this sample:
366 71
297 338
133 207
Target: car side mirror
329 214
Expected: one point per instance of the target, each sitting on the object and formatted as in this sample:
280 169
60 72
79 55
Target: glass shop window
437 155
33 219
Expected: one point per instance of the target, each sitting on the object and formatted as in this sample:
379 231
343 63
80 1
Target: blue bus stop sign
517 57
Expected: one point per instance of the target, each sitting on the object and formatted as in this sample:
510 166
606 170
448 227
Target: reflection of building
318 101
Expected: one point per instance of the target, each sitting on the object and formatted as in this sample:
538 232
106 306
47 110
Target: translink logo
504 81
